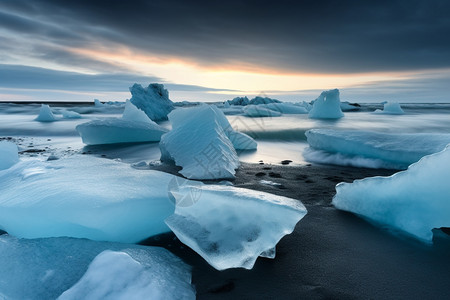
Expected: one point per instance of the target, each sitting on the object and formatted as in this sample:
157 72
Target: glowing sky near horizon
211 50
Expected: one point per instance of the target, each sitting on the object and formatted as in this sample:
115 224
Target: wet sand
331 254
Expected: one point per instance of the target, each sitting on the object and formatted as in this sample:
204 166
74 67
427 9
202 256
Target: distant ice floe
8 154
231 227
346 106
203 143
327 106
414 201
67 114
153 100
286 108
134 126
371 149
45 114
37 269
390 108
260 111
242 101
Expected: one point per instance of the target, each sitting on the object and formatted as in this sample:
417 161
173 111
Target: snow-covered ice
45 268
8 154
203 143
134 126
230 227
414 201
391 108
327 106
390 149
117 275
85 197
260 111
153 100
45 114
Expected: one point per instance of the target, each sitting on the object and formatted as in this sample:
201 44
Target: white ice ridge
117 275
260 111
45 114
134 126
9 154
391 108
231 227
84 197
153 100
394 150
37 269
327 106
414 201
203 143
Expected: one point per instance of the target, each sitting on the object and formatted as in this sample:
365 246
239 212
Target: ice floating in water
8 154
391 108
260 111
203 142
134 126
45 114
230 227
84 197
117 275
67 114
45 268
97 103
153 100
346 106
255 101
327 106
285 108
414 201
395 151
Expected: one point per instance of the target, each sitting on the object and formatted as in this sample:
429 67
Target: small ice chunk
9 154
97 103
414 201
67 114
116 275
132 113
260 111
327 106
153 100
230 227
391 108
45 114
285 108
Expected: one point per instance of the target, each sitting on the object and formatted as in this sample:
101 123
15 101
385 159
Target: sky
216 50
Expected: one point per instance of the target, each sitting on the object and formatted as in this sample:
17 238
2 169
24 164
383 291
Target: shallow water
279 138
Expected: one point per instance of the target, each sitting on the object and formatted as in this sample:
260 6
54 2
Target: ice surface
391 108
134 126
285 108
241 141
97 103
153 100
199 144
260 111
8 154
346 106
45 268
239 101
45 114
116 275
255 101
395 150
67 114
230 227
83 196
414 201
327 106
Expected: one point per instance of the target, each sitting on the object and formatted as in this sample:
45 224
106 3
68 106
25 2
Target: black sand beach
331 254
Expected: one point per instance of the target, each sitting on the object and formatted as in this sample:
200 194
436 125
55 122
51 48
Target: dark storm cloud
297 36
24 77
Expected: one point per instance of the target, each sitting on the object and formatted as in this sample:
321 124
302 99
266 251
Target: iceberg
67 114
153 100
260 111
346 106
285 108
396 151
413 201
9 154
231 227
85 197
238 101
391 108
243 101
134 126
117 275
45 114
327 106
203 142
45 268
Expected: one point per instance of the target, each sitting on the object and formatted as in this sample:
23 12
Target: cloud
288 36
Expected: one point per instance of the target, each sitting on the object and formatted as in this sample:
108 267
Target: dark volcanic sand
331 254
